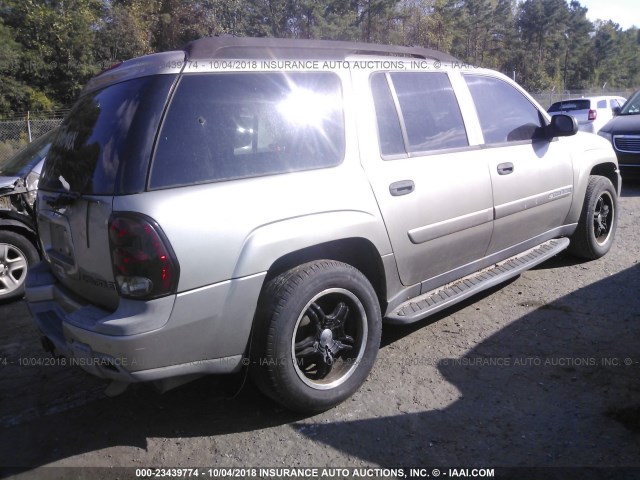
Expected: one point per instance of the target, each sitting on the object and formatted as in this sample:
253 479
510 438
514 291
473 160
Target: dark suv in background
623 131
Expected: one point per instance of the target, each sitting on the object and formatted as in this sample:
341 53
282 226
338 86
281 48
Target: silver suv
270 203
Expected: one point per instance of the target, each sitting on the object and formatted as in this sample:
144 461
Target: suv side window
602 104
505 114
430 111
239 125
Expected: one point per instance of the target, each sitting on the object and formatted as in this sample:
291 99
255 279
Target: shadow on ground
631 188
559 387
562 408
207 407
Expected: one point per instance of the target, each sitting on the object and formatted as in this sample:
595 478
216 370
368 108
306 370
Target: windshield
632 107
105 142
23 162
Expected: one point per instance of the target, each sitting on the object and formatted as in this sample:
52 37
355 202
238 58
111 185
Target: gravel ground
543 371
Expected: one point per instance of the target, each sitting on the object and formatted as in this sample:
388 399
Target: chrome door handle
505 168
402 187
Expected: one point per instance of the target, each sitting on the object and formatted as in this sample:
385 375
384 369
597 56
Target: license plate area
56 241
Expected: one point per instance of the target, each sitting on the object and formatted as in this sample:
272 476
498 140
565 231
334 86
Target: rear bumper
588 127
197 332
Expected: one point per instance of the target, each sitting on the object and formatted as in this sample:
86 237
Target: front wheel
317 335
597 225
17 254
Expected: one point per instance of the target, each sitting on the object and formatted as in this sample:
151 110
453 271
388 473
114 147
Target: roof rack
228 46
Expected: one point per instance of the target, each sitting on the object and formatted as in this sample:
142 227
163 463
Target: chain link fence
17 132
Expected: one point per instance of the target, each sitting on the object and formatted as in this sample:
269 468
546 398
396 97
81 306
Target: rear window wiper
64 199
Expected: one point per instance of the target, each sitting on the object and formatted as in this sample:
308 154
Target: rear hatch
102 150
576 108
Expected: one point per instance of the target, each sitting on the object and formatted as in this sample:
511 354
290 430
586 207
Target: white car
592 113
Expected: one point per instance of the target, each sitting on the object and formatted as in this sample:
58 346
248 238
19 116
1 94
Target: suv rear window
237 125
570 105
105 142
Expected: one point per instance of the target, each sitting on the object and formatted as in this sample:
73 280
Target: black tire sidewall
290 389
599 187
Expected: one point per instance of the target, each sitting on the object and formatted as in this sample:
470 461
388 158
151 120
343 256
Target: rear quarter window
237 125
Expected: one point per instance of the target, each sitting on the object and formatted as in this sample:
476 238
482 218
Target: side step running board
431 302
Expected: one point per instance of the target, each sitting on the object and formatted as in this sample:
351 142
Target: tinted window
229 126
602 104
389 131
569 106
104 144
613 103
505 114
430 111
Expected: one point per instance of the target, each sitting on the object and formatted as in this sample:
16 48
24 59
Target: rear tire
17 254
598 221
317 335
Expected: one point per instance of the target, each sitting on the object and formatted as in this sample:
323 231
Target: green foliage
616 55
124 33
56 39
14 96
50 48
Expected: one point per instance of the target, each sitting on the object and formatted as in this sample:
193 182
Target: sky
624 12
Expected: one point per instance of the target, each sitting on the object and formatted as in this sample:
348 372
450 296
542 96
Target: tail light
144 264
593 114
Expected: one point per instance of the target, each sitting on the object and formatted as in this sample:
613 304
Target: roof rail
228 46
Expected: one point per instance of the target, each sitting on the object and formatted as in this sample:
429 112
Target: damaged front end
19 177
17 200
19 250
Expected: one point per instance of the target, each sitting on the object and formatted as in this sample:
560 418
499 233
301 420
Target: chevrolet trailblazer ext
200 211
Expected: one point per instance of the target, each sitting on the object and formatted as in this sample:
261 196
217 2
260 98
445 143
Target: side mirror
616 111
562 126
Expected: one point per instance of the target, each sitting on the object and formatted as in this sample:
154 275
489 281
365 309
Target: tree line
50 48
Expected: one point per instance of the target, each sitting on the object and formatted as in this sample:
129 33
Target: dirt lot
543 371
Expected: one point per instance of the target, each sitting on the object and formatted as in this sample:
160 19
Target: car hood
9 184
623 124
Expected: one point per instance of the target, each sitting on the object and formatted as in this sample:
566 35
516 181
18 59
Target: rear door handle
505 168
402 187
